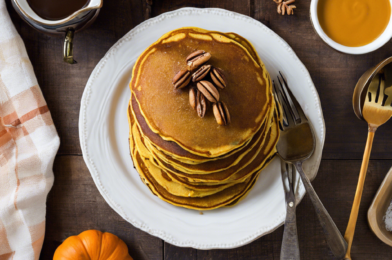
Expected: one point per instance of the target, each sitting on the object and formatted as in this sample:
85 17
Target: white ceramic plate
103 129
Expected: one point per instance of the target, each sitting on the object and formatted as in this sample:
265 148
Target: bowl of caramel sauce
352 26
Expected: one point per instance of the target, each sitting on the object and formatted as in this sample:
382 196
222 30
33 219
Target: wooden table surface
74 203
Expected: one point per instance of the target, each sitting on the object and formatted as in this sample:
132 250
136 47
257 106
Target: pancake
269 140
162 178
171 148
214 201
193 162
167 112
200 186
168 147
242 176
246 44
217 165
224 176
166 179
238 38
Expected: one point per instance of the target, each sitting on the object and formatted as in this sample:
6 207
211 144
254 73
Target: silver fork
297 144
290 245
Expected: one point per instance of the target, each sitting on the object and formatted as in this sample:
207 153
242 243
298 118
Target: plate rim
91 166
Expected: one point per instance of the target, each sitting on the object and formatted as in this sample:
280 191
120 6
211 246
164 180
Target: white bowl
379 42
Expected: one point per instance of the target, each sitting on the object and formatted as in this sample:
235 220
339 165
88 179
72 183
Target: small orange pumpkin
92 245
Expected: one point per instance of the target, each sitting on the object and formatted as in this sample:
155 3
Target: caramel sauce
354 23
56 9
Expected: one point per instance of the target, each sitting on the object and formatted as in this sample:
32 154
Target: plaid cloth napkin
28 144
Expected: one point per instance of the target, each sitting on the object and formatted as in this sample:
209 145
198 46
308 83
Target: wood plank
334 75
335 185
239 6
179 253
75 205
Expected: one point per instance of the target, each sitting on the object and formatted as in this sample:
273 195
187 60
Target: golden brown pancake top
167 111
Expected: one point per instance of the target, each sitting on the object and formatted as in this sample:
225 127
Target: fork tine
287 97
290 176
286 116
284 173
388 92
388 87
299 108
373 88
287 172
381 91
278 111
293 175
296 108
278 101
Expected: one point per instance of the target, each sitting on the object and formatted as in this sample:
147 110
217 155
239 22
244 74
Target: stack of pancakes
189 161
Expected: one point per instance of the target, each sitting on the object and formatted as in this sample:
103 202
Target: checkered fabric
28 144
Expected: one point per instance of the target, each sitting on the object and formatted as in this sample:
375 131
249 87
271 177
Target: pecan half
198 101
208 90
201 73
197 58
192 97
221 113
181 79
218 78
201 105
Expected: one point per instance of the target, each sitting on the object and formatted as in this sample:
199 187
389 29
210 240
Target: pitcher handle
68 46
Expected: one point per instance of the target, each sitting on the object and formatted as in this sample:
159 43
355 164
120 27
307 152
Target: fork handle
334 238
350 230
290 245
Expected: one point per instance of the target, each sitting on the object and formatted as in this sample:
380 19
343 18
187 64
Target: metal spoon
372 102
